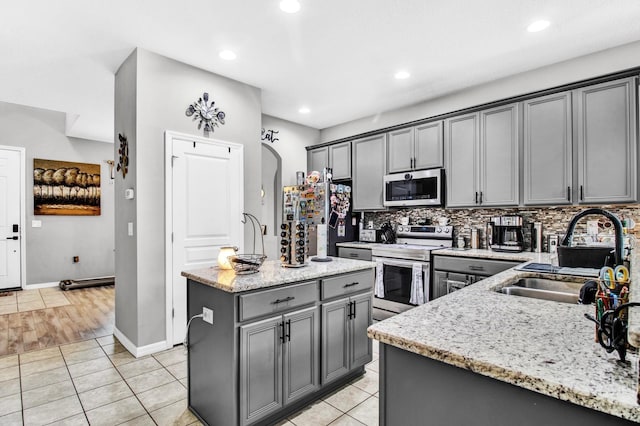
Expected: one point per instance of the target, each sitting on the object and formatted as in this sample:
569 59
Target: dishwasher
451 273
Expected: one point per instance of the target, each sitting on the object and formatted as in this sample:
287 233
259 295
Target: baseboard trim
139 351
42 285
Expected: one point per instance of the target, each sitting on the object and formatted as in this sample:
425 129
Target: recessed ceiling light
227 55
289 6
401 75
536 26
304 110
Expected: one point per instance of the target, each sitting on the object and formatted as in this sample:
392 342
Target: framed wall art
66 188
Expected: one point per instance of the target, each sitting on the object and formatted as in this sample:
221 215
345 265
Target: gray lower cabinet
548 150
354 253
345 344
369 166
317 159
605 121
451 273
279 362
261 359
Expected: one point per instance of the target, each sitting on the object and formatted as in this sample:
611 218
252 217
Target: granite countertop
544 346
271 274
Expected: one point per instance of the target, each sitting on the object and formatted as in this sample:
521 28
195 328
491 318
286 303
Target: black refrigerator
322 203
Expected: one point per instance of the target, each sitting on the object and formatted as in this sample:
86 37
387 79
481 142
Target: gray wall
164 88
293 138
126 307
50 249
584 67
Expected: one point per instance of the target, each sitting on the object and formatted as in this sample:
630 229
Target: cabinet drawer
346 284
277 300
473 266
354 253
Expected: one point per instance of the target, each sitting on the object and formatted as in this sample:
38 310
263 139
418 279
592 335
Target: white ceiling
337 57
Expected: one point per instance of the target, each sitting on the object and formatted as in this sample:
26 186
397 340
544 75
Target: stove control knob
446 230
438 229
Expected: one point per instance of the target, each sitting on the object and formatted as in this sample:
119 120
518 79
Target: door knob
15 237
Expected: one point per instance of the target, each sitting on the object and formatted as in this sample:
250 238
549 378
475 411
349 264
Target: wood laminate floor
38 319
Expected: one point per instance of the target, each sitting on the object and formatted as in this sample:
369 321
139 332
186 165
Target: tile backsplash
554 219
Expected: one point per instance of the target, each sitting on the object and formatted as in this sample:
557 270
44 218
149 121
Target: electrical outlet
207 315
76 259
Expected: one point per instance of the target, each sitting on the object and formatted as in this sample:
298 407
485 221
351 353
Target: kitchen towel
417 292
379 289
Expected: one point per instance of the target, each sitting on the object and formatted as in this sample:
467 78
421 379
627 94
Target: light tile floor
98 382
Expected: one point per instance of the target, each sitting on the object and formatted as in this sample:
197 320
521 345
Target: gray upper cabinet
461 152
481 158
369 165
547 150
428 145
317 159
499 161
605 122
415 148
400 150
340 160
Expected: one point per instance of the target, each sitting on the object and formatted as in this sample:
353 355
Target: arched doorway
271 214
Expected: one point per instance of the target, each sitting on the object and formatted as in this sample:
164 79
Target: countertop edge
525 381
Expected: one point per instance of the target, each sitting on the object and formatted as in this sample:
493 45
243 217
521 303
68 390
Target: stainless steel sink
546 289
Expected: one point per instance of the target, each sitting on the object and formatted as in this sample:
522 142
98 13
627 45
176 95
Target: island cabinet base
416 390
272 351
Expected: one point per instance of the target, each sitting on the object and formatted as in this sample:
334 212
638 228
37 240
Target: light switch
128 194
36 224
130 229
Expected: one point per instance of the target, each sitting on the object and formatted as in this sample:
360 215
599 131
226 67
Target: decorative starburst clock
208 114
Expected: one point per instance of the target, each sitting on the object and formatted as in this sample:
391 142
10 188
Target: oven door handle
399 263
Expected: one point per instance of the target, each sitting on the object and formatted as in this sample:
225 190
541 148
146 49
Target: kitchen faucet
616 224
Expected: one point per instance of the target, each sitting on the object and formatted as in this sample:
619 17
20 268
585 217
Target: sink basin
544 288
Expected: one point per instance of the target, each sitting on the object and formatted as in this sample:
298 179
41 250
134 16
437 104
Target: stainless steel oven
397 280
395 266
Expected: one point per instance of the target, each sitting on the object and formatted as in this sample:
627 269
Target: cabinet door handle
350 314
476 268
351 284
354 309
480 197
15 237
581 193
288 330
476 197
282 334
286 299
568 193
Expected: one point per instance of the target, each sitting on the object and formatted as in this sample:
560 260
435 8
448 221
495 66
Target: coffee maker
504 233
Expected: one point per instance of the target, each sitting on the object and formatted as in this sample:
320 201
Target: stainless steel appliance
420 188
371 235
321 203
413 247
504 233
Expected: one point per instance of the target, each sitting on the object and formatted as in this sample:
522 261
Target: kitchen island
477 356
274 341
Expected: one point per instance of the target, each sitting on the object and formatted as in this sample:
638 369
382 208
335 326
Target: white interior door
207 204
10 219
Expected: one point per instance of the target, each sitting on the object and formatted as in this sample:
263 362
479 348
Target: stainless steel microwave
419 188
